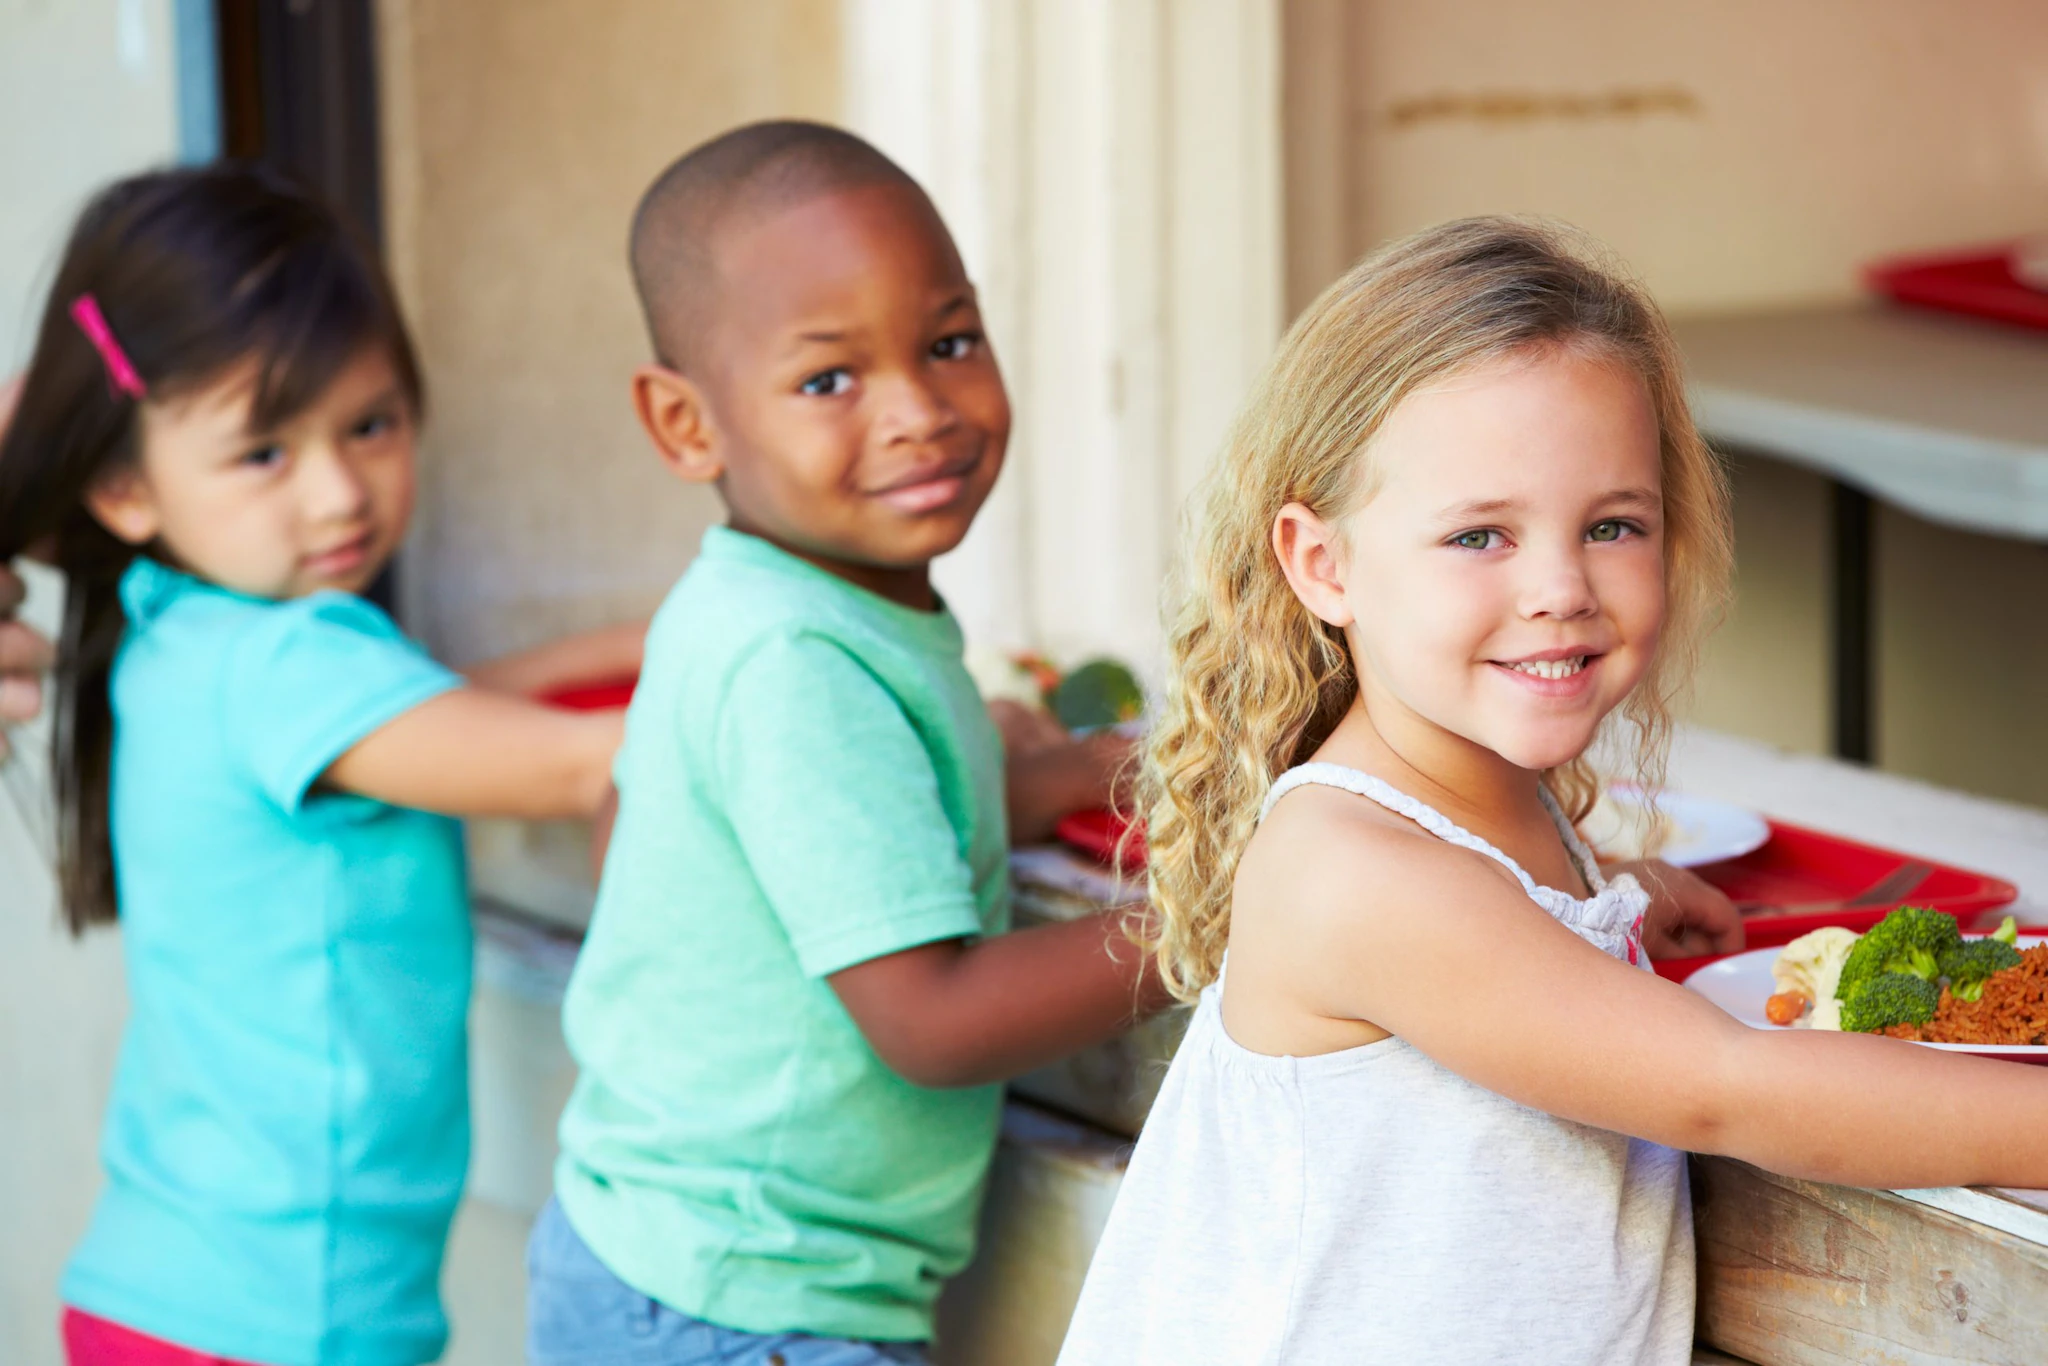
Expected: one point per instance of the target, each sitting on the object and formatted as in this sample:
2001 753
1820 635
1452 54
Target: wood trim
1794 1273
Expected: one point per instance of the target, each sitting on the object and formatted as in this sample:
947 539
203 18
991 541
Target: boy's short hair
758 167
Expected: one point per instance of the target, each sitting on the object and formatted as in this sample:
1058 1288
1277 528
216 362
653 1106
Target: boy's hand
966 1013
1689 917
1057 777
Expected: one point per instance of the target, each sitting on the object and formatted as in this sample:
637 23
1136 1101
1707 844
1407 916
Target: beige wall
518 138
1738 154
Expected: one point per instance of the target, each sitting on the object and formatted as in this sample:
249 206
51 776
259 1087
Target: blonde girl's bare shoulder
1325 861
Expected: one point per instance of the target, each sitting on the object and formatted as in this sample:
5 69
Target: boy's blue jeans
579 1314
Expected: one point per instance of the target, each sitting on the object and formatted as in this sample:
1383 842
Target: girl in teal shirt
256 768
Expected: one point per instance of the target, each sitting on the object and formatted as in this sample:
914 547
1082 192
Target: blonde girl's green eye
1607 531
1473 540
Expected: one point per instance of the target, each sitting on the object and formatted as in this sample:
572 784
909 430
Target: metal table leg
1853 668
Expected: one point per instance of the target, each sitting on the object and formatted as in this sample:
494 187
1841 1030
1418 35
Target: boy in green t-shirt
798 996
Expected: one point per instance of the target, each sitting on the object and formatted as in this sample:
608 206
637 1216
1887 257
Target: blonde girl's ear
122 502
1310 553
672 410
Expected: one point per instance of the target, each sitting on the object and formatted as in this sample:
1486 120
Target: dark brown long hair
196 271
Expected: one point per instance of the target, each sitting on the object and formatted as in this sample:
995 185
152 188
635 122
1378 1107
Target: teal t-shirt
809 781
286 1138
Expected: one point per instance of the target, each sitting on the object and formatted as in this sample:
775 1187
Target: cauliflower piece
1812 966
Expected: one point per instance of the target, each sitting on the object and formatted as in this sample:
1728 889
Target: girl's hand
24 658
605 655
1689 917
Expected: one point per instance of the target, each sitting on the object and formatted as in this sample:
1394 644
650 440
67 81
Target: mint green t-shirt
809 781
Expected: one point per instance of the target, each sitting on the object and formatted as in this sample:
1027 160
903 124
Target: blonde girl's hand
1689 917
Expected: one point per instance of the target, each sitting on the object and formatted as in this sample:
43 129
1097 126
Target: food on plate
1023 678
1909 942
1914 976
1887 999
1971 963
1786 1007
1100 692
1811 966
2010 1008
1623 827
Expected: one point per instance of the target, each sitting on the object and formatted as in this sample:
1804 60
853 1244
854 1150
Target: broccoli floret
1889 998
2008 932
1909 942
1970 962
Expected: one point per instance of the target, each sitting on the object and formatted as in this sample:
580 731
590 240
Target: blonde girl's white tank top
1371 1206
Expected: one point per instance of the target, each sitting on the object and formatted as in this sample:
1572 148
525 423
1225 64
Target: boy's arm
966 1013
600 656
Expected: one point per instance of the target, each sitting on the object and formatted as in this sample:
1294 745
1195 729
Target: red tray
594 696
1978 282
1796 866
1097 833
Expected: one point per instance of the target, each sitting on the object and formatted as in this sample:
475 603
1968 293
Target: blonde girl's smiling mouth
1563 673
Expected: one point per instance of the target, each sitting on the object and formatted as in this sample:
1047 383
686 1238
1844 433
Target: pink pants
90 1341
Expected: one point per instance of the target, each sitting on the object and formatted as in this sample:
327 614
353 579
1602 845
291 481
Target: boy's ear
672 410
123 504
1307 548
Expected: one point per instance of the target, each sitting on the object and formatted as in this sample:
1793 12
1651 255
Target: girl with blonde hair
1436 1108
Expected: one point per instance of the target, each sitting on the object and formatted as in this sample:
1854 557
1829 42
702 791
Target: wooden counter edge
1797 1273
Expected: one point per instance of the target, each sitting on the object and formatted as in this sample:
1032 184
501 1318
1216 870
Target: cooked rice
2012 1010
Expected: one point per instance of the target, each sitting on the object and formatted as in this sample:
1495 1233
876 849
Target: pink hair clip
85 311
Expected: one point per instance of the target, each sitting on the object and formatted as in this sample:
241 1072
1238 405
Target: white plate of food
1682 830
1744 983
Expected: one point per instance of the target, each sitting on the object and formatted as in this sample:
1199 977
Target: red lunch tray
1795 867
1978 282
594 696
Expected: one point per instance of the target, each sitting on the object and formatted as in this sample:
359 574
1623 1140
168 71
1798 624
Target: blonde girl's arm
473 752
601 656
1440 948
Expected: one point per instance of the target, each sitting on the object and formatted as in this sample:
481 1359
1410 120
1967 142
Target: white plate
1696 829
1741 983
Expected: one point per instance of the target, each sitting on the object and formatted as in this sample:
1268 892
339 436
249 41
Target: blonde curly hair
1254 682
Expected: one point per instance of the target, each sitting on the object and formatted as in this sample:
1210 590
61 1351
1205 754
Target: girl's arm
1369 922
601 656
476 753
961 1013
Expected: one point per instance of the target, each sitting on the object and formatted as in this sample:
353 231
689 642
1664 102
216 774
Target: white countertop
1945 417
